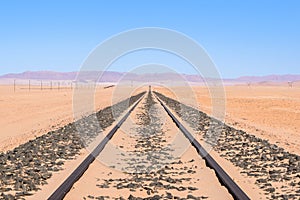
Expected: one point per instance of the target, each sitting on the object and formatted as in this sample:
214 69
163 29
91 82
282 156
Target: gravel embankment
28 166
277 172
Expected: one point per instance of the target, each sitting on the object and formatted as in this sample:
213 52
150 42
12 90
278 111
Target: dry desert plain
28 114
269 112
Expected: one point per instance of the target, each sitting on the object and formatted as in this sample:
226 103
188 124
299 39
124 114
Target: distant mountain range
110 76
269 78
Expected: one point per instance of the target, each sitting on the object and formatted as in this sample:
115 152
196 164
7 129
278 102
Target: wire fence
42 85
49 85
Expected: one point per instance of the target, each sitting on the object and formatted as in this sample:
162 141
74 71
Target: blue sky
242 38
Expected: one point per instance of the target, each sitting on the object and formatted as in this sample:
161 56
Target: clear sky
242 37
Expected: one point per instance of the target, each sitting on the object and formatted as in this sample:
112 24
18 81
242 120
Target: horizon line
241 76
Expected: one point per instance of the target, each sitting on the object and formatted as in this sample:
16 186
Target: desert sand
269 112
29 114
26 114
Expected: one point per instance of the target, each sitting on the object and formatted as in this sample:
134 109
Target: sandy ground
28 114
269 112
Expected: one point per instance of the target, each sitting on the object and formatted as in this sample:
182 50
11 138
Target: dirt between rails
275 170
149 158
26 168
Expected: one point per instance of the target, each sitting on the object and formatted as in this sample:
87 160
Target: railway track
150 164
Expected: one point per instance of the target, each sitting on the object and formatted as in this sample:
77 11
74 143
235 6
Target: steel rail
66 186
223 177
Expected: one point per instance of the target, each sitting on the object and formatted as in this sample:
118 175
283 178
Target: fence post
14 85
29 85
